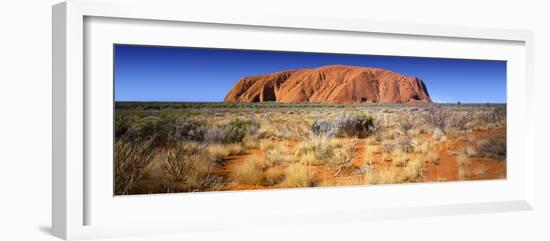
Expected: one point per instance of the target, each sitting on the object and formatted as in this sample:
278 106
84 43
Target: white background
25 121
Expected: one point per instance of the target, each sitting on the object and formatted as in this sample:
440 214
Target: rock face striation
336 84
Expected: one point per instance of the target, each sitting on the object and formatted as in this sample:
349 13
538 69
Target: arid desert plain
163 147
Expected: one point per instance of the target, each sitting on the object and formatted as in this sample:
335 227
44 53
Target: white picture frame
73 191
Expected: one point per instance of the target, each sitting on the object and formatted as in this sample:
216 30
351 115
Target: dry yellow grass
387 157
303 148
471 151
438 135
297 175
250 142
185 165
413 171
250 171
420 146
274 175
307 158
441 179
481 170
276 156
383 176
432 157
371 140
266 144
399 158
349 181
322 148
337 143
462 160
462 175
369 154
218 152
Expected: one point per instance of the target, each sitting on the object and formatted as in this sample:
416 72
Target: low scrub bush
403 144
214 134
131 158
161 131
323 127
438 116
189 171
494 147
354 125
237 129
150 128
122 125
460 121
346 125
188 130
404 124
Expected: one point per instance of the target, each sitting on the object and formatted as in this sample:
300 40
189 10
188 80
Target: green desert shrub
237 129
150 128
161 131
122 125
189 130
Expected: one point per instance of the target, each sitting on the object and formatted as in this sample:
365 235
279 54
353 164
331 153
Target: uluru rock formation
336 84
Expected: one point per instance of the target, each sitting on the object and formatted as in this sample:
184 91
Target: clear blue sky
150 73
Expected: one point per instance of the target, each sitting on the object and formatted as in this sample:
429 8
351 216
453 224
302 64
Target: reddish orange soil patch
359 159
478 169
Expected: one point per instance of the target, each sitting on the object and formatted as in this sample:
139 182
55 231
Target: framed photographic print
193 119
162 114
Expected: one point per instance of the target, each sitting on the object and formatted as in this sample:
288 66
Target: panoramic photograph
203 119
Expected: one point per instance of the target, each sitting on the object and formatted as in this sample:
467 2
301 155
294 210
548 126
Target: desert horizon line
221 101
